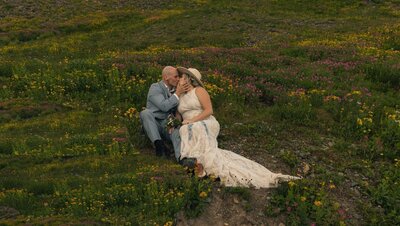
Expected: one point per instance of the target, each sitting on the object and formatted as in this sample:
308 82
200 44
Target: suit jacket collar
163 87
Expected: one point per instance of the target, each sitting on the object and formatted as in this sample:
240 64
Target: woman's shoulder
201 91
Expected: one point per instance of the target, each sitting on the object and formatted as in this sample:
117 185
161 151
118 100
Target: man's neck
167 85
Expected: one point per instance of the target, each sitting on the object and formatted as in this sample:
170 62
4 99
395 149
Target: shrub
6 70
390 134
306 202
289 158
40 187
244 193
136 134
11 183
300 113
387 194
18 199
6 146
27 35
144 199
386 74
36 141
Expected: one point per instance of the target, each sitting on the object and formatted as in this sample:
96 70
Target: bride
199 140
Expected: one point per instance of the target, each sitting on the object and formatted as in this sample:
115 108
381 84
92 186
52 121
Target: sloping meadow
316 84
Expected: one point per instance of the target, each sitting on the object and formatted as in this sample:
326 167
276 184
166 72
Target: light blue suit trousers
160 103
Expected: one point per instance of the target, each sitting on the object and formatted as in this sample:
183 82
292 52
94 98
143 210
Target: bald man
162 100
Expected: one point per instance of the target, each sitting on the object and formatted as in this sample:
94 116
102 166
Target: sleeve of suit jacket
158 99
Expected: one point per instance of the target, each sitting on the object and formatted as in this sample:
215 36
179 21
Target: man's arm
157 98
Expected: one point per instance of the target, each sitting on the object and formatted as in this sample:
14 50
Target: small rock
281 224
235 200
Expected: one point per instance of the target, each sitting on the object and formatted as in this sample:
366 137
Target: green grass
300 81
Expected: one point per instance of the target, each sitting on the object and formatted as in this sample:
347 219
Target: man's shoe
160 148
188 162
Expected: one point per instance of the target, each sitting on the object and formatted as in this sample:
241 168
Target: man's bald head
168 70
170 76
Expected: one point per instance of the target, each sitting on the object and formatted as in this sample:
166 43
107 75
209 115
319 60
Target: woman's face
184 79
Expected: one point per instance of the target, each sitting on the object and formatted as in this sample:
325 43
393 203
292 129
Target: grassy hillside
302 87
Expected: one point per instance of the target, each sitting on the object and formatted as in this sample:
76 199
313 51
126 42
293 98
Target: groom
162 100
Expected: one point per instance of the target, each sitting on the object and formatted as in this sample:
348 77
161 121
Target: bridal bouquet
172 122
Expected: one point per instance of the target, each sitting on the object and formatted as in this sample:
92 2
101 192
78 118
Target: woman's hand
187 121
178 116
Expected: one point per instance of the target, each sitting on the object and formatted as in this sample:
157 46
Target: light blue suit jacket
159 100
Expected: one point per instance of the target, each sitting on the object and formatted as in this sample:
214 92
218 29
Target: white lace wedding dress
199 140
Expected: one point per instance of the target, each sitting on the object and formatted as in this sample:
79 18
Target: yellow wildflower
203 194
213 177
359 122
291 183
332 97
303 199
368 120
318 203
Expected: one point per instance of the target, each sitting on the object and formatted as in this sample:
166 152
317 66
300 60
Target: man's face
172 79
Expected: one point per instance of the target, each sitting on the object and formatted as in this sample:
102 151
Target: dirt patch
231 209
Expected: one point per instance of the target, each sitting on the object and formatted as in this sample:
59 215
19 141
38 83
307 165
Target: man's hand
182 88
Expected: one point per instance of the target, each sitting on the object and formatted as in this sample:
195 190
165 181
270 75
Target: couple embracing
181 93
